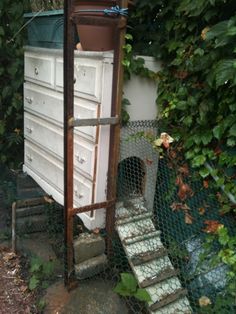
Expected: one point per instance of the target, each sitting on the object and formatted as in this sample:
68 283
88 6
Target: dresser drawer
40 69
43 102
50 137
87 78
84 109
50 169
47 135
44 165
84 156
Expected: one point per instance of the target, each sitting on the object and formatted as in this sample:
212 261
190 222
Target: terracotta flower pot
93 37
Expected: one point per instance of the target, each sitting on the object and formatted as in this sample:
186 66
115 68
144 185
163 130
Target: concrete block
91 267
31 224
88 246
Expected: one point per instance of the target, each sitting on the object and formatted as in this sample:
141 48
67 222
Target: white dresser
43 125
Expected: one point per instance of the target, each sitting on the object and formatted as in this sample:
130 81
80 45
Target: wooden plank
148 256
169 299
166 274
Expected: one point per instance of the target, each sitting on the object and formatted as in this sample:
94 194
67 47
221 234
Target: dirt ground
15 296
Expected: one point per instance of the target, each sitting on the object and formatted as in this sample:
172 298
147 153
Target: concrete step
31 224
91 267
87 246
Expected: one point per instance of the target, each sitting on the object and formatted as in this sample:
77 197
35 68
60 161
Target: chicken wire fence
157 263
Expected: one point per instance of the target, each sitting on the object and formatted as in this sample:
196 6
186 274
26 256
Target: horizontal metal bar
94 122
91 207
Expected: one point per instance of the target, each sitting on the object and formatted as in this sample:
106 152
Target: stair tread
144 247
164 275
160 291
134 229
134 217
168 299
181 305
152 268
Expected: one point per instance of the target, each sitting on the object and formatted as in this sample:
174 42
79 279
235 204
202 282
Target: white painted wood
43 105
40 69
50 169
87 77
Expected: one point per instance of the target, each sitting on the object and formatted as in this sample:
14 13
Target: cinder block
91 267
88 246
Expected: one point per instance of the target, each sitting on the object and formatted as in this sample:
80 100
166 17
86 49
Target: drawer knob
29 100
79 195
29 129
29 158
74 80
36 71
81 160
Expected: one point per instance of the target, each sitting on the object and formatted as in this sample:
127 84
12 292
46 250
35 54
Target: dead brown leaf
206 184
212 226
184 170
188 218
96 231
179 206
201 211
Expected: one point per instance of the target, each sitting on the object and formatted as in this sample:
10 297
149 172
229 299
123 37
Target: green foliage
11 81
128 287
195 40
41 273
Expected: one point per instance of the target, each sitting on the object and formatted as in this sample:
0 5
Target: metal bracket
93 122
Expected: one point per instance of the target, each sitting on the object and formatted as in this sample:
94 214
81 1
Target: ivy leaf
142 295
33 283
232 130
199 160
231 142
218 131
204 172
224 72
121 290
129 281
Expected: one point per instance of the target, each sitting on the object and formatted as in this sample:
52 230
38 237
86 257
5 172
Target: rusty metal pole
117 91
68 142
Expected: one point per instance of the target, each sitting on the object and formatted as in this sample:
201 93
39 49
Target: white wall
142 93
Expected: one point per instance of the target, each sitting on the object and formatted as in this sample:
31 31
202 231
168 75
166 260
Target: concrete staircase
89 255
149 259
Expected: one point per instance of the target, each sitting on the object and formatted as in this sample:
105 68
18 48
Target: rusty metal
70 123
169 299
94 122
92 207
69 276
117 91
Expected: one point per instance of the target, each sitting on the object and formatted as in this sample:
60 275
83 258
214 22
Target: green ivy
11 81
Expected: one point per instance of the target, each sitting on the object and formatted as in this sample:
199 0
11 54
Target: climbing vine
11 81
196 88
196 42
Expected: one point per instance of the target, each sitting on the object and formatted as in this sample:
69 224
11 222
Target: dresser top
59 52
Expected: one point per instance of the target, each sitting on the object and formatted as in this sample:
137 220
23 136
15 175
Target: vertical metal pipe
13 227
117 91
68 140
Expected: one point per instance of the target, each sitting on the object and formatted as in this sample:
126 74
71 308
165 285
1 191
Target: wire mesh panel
159 263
